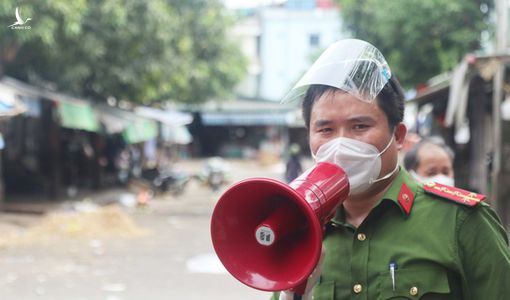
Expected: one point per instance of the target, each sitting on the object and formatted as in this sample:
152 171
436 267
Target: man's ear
400 135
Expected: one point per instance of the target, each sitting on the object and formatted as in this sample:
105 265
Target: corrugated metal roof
251 112
247 118
168 117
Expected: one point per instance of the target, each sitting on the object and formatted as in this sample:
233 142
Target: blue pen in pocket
393 267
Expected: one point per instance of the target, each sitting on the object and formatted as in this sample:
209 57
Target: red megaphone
269 234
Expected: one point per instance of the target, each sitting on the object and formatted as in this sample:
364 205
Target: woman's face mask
439 178
360 161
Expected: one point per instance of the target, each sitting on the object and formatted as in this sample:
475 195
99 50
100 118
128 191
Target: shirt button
413 291
361 237
357 288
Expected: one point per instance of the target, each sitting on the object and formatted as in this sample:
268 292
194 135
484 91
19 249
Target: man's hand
310 283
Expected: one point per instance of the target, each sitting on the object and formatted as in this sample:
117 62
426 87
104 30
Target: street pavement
164 250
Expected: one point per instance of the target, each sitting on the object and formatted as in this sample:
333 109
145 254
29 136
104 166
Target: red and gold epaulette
452 193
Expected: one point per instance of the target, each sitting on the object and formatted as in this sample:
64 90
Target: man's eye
324 130
360 126
431 173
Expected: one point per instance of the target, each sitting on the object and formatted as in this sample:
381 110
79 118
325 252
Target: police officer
393 238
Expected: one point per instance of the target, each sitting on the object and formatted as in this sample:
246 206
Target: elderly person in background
431 160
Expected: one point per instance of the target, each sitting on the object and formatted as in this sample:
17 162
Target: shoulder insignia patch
452 193
405 198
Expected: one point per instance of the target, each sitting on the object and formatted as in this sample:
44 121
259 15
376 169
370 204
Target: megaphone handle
299 290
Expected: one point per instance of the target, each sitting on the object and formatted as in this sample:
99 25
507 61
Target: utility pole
497 95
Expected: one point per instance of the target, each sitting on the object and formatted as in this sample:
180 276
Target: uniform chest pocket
415 283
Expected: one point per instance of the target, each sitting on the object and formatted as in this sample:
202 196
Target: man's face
433 160
339 114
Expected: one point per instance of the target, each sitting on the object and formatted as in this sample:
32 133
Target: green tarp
140 130
77 116
82 116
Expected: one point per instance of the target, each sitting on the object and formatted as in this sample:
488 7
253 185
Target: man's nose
342 132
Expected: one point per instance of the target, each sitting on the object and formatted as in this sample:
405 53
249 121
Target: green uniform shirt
442 250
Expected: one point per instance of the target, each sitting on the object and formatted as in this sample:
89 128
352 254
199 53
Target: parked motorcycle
172 181
166 180
214 173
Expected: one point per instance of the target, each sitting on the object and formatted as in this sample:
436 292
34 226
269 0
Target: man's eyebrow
320 123
361 119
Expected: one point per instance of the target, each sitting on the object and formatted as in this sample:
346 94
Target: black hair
411 161
390 100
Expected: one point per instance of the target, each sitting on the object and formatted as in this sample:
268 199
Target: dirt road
118 252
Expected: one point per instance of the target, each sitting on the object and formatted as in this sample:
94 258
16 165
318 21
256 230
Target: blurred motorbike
172 181
214 173
166 180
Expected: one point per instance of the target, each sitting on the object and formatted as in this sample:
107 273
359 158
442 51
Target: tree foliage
419 38
141 51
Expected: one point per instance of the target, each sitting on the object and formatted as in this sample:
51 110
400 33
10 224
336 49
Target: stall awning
114 120
10 105
134 129
168 117
77 115
247 118
176 134
140 130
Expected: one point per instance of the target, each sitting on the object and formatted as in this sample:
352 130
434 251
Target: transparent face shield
351 65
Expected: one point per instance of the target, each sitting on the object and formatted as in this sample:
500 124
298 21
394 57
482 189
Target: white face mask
360 161
439 178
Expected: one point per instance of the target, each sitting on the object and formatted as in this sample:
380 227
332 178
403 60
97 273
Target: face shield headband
351 65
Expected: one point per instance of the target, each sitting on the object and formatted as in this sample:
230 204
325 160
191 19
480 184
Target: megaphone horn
269 234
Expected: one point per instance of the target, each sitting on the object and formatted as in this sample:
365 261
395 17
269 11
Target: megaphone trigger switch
265 236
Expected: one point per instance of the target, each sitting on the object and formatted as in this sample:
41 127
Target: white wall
286 52
246 34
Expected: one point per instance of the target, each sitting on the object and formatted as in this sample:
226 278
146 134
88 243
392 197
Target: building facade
281 42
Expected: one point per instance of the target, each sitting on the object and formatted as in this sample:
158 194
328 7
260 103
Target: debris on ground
89 222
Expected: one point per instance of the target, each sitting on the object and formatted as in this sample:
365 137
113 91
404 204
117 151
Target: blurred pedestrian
293 168
431 160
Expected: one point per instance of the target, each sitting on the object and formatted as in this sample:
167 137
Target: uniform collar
401 192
